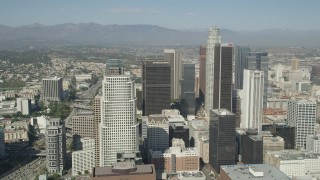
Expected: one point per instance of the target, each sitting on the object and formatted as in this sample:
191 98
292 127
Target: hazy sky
178 14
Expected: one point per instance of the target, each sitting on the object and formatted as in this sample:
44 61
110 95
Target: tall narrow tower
118 127
174 58
218 72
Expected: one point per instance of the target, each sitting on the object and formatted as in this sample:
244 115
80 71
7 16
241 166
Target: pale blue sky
178 14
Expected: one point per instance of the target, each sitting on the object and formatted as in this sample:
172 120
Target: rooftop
123 168
294 155
200 125
254 171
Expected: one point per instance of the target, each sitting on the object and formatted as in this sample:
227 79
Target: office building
157 132
197 128
118 128
302 116
52 89
203 147
286 132
188 90
55 145
252 99
176 159
83 125
251 171
114 67
218 72
252 149
24 106
260 61
294 162
295 64
2 144
179 131
124 170
241 63
313 143
174 58
156 85
222 138
315 74
83 161
272 144
202 72
97 120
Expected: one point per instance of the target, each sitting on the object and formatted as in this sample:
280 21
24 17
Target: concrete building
2 144
176 159
83 125
260 61
222 138
276 103
178 130
252 99
55 145
254 172
118 127
294 162
84 160
302 116
124 170
295 64
52 89
157 132
313 143
97 120
175 60
24 106
241 63
272 144
191 176
203 147
156 85
218 72
202 72
196 128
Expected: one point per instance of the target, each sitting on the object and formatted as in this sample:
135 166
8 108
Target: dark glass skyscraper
202 72
156 85
222 138
188 93
241 63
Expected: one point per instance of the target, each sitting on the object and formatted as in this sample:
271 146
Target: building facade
302 116
118 127
83 161
252 99
52 89
2 144
313 143
156 85
202 72
55 145
174 58
188 90
97 120
83 125
241 63
222 138
157 132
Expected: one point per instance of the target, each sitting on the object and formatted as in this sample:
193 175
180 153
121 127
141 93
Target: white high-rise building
213 43
84 160
118 130
252 99
55 145
24 106
302 116
52 89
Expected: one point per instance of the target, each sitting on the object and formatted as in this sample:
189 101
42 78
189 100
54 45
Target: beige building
176 159
83 160
124 171
82 126
204 148
272 144
97 120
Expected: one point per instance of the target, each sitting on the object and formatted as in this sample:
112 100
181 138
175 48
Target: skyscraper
187 90
83 125
295 64
118 127
157 132
2 144
241 63
202 72
252 99
97 121
218 72
222 138
174 58
52 89
156 85
55 145
114 67
260 61
302 116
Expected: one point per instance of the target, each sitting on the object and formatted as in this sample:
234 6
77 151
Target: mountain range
37 35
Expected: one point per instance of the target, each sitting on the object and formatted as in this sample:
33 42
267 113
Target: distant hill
37 35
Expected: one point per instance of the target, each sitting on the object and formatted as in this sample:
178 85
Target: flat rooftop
294 155
123 168
254 171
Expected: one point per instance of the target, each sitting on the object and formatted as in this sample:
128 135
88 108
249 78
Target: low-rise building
124 170
294 162
272 144
252 171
